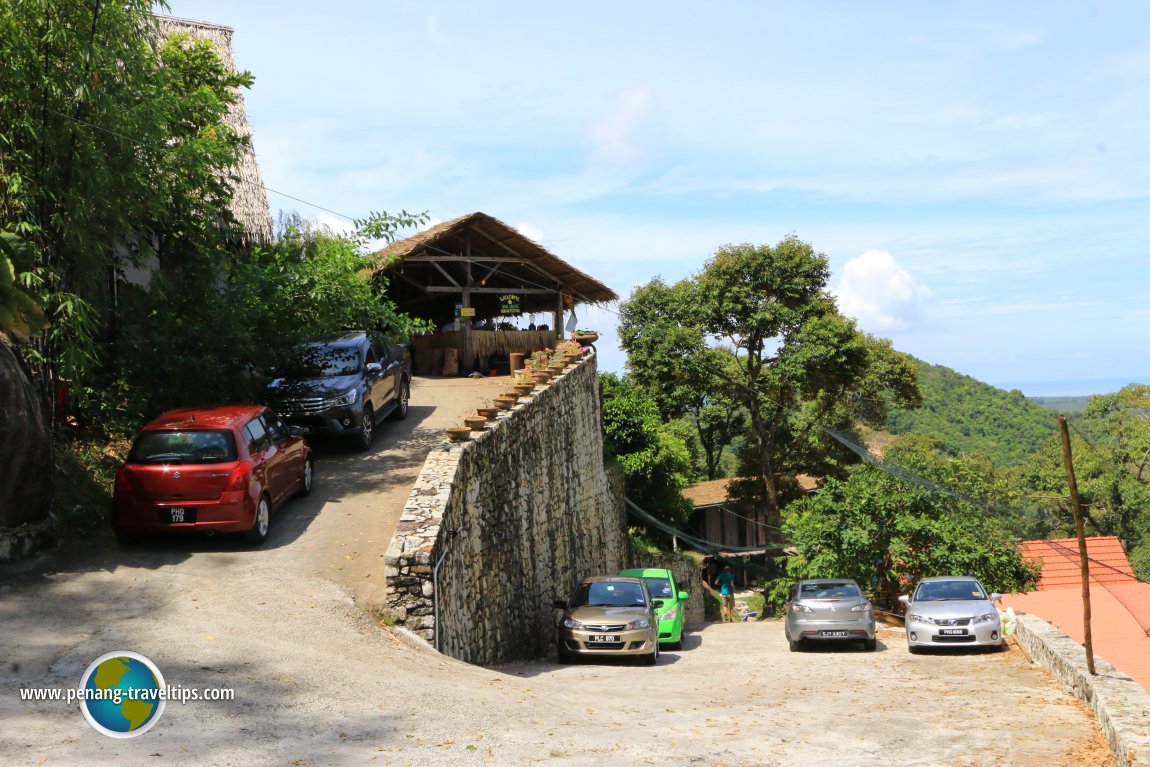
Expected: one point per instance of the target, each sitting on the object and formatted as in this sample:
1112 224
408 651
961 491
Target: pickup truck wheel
364 438
401 400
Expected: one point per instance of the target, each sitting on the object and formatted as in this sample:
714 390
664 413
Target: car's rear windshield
191 446
659 588
946 591
828 590
323 361
608 594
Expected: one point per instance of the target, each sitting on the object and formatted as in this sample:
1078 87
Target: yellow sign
467 311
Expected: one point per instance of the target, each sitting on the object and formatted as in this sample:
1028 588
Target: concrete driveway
317 682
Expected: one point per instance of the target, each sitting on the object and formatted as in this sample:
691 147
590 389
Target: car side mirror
374 367
657 603
995 597
683 595
296 431
560 604
905 599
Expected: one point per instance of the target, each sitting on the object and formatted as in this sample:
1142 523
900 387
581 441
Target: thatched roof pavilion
250 201
476 268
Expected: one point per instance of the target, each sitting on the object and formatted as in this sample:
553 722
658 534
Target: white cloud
879 293
626 133
335 225
530 232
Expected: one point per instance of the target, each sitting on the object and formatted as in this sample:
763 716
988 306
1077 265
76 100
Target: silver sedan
948 611
832 609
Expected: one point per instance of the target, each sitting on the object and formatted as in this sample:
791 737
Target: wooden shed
475 278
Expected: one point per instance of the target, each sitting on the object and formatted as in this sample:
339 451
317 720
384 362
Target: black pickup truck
343 385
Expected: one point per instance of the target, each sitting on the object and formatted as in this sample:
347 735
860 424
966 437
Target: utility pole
1076 505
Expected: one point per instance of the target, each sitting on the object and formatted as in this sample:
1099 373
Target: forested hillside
1067 405
973 417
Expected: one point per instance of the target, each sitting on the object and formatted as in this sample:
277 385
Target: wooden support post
558 326
468 352
1076 505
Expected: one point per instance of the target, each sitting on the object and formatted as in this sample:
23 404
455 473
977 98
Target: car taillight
240 477
122 485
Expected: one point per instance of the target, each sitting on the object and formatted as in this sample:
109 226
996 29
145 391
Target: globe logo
122 694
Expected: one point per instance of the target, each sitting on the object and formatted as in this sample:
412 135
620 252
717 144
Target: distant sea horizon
1080 388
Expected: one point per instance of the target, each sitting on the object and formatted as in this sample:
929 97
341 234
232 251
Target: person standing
726 584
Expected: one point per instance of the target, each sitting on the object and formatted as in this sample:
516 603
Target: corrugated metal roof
716 491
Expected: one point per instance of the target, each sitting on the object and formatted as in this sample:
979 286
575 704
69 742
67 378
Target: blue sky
977 173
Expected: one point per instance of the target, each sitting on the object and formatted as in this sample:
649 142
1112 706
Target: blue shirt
726 583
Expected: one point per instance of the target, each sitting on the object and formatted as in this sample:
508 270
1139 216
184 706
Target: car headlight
798 608
865 608
986 617
571 623
347 398
916 618
642 623
670 615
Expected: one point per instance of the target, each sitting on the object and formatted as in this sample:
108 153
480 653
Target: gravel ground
317 682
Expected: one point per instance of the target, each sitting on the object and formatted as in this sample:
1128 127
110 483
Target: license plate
833 634
952 632
177 515
604 638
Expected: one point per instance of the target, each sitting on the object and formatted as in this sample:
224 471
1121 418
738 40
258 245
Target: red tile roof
1119 603
1062 565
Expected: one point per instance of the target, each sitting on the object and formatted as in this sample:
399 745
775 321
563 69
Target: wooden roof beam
517 291
526 261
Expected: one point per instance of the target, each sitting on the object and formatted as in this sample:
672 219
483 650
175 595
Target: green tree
656 463
888 532
667 355
1110 442
112 147
245 316
790 361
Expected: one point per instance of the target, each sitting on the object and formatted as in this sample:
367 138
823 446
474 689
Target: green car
662 586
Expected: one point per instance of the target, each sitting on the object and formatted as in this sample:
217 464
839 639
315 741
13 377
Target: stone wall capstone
512 519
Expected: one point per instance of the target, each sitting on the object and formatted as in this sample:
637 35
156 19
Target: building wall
514 517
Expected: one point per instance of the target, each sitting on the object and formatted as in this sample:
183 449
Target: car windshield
828 590
168 447
608 594
322 361
659 588
947 591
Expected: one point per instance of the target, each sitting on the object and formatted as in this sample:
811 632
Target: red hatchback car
214 470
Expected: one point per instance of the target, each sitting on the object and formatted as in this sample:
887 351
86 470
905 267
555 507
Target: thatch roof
427 271
250 201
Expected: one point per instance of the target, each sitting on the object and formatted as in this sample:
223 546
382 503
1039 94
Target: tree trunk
26 465
766 465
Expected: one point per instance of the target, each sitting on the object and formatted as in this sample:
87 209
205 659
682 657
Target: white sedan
954 610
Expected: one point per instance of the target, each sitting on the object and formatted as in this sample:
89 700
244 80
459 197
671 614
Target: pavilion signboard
509 304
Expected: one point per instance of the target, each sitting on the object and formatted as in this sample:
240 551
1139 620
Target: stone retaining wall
514 517
1120 703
